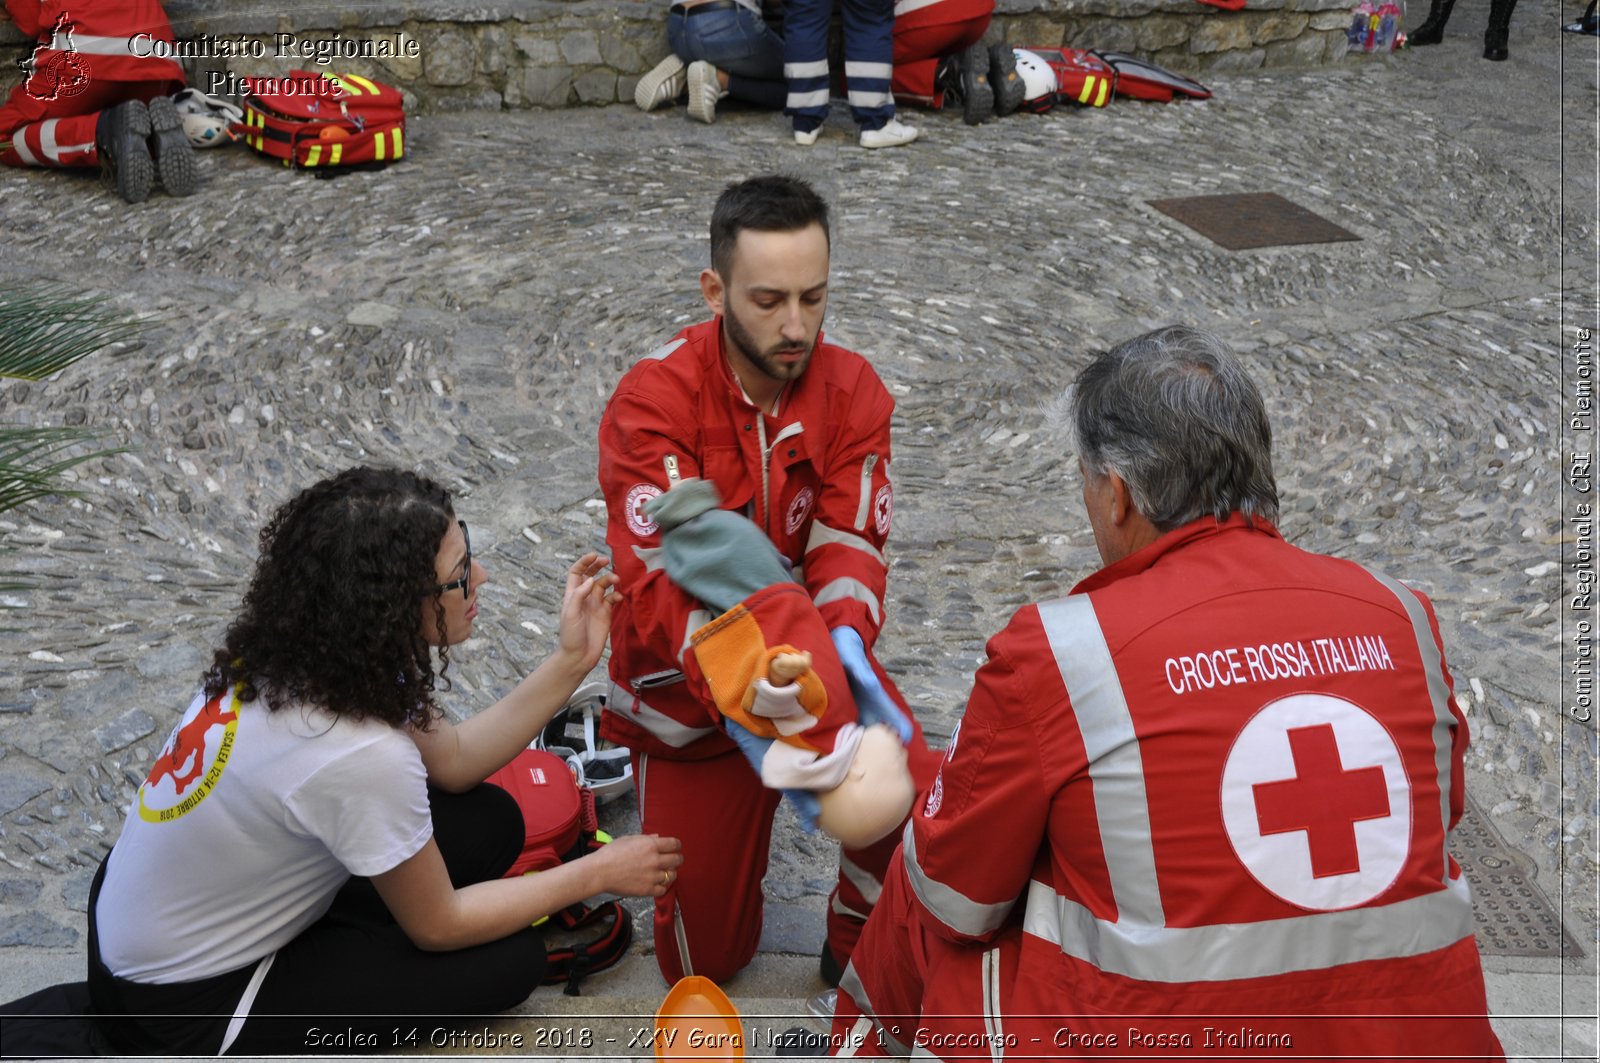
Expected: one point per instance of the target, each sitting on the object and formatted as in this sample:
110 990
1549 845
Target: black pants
352 981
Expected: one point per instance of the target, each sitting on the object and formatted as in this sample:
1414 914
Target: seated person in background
315 752
727 49
721 49
97 94
1202 802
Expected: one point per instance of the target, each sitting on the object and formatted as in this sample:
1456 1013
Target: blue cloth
868 60
805 804
873 704
738 42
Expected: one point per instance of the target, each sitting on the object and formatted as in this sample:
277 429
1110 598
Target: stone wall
565 53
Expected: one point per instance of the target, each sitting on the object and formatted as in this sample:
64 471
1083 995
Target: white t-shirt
246 827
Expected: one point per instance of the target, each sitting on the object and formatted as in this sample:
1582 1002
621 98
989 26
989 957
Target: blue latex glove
754 747
873 704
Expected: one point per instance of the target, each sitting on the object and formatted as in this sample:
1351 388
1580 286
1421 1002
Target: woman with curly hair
313 840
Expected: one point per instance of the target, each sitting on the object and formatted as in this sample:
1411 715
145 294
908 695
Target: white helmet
573 734
1038 80
208 121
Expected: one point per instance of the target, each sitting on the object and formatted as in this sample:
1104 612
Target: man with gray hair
1201 803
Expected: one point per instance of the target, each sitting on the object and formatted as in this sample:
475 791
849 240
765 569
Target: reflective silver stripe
20 144
907 6
850 985
856 1038
950 906
793 428
992 1016
860 878
1116 769
822 535
860 69
1251 950
841 908
652 557
697 620
869 99
845 588
663 350
819 98
864 502
622 701
89 44
815 69
47 140
1438 692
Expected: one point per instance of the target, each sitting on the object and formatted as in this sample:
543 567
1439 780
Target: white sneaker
807 139
661 86
890 136
704 92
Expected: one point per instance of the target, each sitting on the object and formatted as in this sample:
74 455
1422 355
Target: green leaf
45 328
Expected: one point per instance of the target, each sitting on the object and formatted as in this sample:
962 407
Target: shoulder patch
663 350
638 521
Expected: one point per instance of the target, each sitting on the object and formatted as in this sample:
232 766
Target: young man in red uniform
97 95
794 434
1223 770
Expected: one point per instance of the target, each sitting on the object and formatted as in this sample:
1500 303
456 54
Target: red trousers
60 132
723 815
924 34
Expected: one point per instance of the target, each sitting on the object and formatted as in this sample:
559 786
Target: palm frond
45 328
33 459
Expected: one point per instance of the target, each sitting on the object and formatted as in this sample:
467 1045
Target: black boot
1432 29
1005 80
120 138
1494 37
965 79
169 146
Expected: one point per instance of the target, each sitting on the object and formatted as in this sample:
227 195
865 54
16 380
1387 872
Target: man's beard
766 361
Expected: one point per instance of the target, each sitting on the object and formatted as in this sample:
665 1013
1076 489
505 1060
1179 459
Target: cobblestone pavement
468 312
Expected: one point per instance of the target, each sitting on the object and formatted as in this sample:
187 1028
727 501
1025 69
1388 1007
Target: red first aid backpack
322 120
561 824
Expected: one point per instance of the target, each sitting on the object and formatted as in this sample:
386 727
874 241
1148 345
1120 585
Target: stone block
33 930
400 62
1251 59
537 50
597 86
581 48
1338 46
493 45
468 99
448 58
1109 35
1162 31
1040 31
620 53
1302 51
1222 33
1329 20
1281 26
546 86
124 731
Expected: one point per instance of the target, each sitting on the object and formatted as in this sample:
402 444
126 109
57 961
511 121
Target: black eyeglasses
466 567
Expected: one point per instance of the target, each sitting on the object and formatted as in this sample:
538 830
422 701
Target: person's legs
805 64
924 34
723 815
869 59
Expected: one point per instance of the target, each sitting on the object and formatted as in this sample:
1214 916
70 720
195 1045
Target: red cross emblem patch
1316 802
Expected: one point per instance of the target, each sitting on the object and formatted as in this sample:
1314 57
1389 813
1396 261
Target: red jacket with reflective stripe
1223 770
116 41
820 492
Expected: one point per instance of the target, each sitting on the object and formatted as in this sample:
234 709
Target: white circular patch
883 508
935 797
1316 802
638 495
799 509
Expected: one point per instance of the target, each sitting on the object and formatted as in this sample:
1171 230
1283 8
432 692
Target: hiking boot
705 91
662 85
169 144
1005 80
1499 28
965 79
889 136
120 138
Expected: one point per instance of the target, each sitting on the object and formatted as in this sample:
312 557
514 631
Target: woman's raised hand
640 865
586 609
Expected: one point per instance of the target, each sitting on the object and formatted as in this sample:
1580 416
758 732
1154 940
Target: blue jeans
736 41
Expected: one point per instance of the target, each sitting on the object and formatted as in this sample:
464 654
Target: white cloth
248 824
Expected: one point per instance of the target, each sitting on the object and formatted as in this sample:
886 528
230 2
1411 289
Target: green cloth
714 554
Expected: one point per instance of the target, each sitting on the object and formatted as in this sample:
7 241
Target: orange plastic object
698 1021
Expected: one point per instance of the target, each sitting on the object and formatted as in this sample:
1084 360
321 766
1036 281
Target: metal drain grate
1514 917
1254 219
